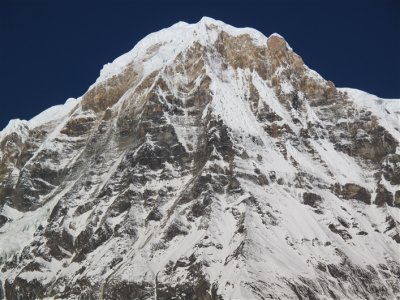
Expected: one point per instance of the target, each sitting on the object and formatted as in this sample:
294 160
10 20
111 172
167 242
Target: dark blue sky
53 50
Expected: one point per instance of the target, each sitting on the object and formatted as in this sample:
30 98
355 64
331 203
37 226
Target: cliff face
207 163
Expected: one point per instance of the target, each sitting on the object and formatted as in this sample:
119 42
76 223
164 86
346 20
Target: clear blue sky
53 50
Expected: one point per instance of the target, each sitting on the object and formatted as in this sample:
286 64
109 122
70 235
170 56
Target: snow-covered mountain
209 162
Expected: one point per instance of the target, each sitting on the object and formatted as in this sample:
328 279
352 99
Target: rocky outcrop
391 169
383 196
397 199
353 191
312 199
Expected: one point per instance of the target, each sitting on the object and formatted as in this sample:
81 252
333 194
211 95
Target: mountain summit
209 162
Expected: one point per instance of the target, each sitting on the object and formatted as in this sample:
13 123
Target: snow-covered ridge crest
387 110
172 41
366 96
17 126
21 127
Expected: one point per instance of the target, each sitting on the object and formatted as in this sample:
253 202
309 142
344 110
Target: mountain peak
209 162
175 38
210 21
218 46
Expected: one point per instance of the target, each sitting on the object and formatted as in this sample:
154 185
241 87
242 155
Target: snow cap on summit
174 39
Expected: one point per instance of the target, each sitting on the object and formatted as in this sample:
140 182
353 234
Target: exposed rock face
397 199
383 196
208 163
353 191
391 169
312 200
